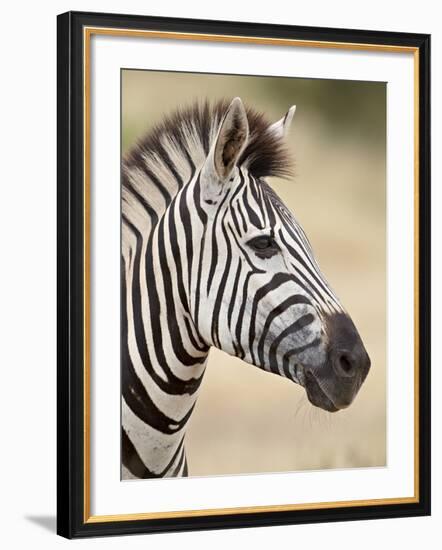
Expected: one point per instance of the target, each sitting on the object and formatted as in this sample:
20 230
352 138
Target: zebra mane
190 131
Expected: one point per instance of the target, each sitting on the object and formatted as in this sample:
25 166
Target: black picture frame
72 517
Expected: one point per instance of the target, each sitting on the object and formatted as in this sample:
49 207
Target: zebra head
260 294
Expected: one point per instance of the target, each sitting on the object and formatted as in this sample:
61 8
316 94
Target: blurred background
246 420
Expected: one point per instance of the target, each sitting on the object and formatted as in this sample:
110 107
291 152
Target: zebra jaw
315 393
297 373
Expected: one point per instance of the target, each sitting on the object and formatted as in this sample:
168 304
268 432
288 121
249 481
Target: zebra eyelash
264 246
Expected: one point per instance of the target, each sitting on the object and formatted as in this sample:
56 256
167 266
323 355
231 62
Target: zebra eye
262 242
265 246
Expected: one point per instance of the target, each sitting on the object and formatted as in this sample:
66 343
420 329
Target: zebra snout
348 357
333 385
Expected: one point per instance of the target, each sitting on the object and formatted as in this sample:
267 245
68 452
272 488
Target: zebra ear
281 127
229 143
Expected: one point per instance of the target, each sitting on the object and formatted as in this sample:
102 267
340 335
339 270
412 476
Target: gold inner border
87 34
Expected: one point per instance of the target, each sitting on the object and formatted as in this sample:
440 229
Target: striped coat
212 257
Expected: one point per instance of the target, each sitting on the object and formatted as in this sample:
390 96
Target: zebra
210 256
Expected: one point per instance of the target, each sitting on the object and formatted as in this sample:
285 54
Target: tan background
247 420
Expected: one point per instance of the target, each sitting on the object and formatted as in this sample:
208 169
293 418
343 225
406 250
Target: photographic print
253 236
243 274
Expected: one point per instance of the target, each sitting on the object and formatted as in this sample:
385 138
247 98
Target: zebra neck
164 357
159 394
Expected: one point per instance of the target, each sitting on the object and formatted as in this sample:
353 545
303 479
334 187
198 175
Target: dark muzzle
334 385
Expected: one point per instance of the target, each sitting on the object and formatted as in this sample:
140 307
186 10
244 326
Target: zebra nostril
345 364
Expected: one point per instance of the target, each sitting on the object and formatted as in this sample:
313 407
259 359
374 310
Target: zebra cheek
314 357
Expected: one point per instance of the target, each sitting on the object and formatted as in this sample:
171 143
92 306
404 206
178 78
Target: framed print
243 274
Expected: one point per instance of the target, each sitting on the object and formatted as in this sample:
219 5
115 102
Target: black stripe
234 215
131 459
294 352
173 385
186 469
253 188
133 462
168 162
307 285
243 251
243 218
172 318
311 270
299 258
258 198
203 217
239 323
214 248
234 294
289 302
269 208
155 181
298 325
276 281
253 218
186 221
177 468
197 199
221 287
190 161
235 220
176 252
151 212
133 390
